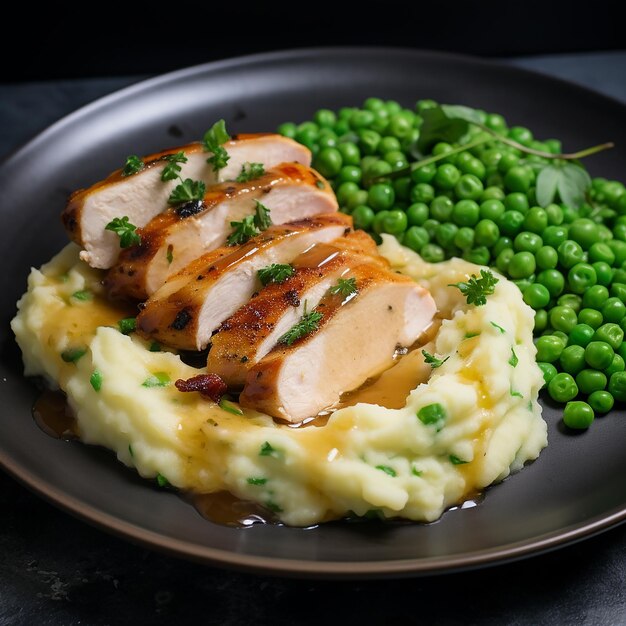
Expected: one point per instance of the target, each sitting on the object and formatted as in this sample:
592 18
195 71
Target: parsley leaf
125 231
229 407
133 165
309 323
158 379
262 219
570 181
344 287
498 327
127 325
477 289
250 171
256 481
169 255
275 273
96 380
172 169
212 142
268 450
162 481
71 355
432 360
243 231
456 461
443 123
388 470
187 191
83 295
513 361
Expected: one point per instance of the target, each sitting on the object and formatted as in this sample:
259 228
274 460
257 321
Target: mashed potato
486 422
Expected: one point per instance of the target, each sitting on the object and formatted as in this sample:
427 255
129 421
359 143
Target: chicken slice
249 334
354 340
143 195
176 237
192 304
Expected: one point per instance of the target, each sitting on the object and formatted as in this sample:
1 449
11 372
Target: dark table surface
55 569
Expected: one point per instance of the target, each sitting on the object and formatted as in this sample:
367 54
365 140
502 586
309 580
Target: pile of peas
480 204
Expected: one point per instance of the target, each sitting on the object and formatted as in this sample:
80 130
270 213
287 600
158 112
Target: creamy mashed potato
365 458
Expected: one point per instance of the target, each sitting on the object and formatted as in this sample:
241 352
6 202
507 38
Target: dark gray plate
574 490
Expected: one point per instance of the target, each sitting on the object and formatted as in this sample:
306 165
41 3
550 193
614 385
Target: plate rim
278 565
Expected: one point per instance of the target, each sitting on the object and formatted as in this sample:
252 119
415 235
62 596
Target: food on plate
342 378
145 190
178 235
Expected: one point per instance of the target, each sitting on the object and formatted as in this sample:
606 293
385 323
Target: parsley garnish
516 394
256 481
169 255
415 471
471 335
456 461
158 379
127 325
432 360
172 170
432 414
268 450
229 407
133 165
498 327
187 191
212 142
388 470
273 507
96 380
71 355
162 481
262 219
250 171
477 289
130 450
513 361
275 273
319 184
155 346
344 287
243 231
309 323
83 295
125 231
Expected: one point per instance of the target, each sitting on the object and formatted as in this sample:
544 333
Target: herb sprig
250 226
477 289
126 231
344 287
133 165
212 142
432 360
309 323
187 191
172 170
250 171
275 273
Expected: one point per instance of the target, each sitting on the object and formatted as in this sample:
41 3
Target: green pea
430 226
445 234
547 258
581 335
584 232
541 320
492 193
350 153
288 129
432 253
375 170
516 202
570 300
447 176
510 223
549 348
595 297
361 119
591 317
373 104
416 238
464 238
613 310
479 255
562 388
399 125
589 381
422 192
442 148
466 213
381 196
394 222
328 162
507 161
468 187
572 359
619 250
503 260
599 354
345 191
554 236
388 144
441 208
363 217
549 372
474 167
396 159
617 386
601 401
487 233
601 251
617 365
378 223
527 242
581 277
402 187
578 415
349 173
519 178
521 135
491 209
360 197
536 296
611 333
570 253
561 335
502 244
554 214
618 290
417 214
522 265
424 174
536 220
604 272
327 139
563 318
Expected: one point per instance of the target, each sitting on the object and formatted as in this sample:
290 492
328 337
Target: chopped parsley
169 255
268 450
471 335
275 273
273 507
96 380
130 450
187 191
415 471
158 379
344 287
262 219
256 481
155 346
516 394
456 461
162 481
242 231
498 327
432 414
172 170
212 142
133 165
127 325
432 360
513 361
477 289
320 184
83 295
229 407
250 171
71 355
309 323
388 470
125 231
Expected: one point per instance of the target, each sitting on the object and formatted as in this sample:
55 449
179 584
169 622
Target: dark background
140 38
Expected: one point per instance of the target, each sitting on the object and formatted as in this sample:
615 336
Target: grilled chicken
355 339
178 236
192 304
256 327
143 195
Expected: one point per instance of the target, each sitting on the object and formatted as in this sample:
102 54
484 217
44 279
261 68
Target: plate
574 489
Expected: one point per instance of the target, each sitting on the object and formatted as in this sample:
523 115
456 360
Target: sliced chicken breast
174 238
355 339
143 195
192 304
249 334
